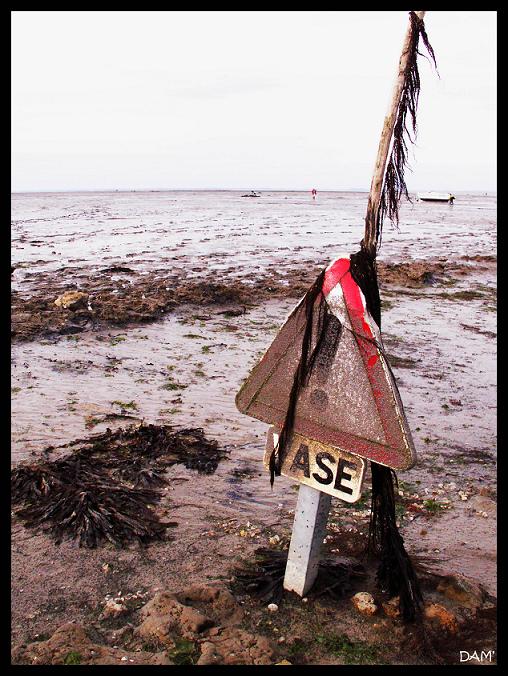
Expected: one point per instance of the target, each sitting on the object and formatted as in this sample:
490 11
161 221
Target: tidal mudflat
171 299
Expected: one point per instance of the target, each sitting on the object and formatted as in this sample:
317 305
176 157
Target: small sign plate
326 468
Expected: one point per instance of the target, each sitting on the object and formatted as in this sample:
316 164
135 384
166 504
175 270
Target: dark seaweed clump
264 578
106 488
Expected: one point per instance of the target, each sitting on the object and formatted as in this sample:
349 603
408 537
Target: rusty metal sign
326 468
351 400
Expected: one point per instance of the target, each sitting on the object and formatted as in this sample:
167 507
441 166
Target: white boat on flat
435 197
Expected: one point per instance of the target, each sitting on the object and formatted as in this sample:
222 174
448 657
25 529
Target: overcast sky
243 100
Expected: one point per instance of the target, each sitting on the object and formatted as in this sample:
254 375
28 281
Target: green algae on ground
184 652
125 404
434 506
73 657
353 652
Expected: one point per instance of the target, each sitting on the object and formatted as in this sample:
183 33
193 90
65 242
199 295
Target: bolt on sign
350 408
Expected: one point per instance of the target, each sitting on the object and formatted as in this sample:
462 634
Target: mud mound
106 488
413 275
206 624
458 614
459 618
140 298
171 631
143 299
70 644
421 273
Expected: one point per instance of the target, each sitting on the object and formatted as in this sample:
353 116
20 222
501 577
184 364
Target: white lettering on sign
326 468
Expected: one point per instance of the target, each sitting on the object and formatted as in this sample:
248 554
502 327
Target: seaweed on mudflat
106 488
31 481
159 443
95 514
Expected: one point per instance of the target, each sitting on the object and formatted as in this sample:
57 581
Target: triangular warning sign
351 399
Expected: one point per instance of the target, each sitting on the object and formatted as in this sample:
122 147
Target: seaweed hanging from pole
394 186
395 572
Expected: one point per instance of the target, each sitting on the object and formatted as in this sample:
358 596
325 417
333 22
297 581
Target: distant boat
252 193
435 197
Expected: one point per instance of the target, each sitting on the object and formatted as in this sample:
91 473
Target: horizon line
128 190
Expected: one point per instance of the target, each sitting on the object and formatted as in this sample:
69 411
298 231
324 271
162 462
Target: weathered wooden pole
311 514
376 185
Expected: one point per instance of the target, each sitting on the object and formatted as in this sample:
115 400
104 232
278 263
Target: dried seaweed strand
394 186
395 571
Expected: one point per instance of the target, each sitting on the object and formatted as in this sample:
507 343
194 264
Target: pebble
72 300
113 609
273 607
364 603
442 615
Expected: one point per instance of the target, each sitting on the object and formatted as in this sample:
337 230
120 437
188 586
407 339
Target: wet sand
185 292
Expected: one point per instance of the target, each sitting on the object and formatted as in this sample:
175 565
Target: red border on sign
340 273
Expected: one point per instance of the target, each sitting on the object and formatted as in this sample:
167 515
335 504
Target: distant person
452 197
314 193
